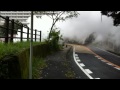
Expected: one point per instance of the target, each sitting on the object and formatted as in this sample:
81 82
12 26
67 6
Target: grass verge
14 48
38 65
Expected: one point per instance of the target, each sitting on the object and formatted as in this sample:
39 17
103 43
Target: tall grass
38 65
14 48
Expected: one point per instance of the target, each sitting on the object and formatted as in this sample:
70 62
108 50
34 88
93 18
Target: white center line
96 78
78 60
109 64
82 65
117 68
88 71
96 56
76 55
99 58
103 61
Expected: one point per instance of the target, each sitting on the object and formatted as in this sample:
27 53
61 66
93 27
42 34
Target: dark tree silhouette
114 14
90 39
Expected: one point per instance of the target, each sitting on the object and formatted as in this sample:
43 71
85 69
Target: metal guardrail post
12 31
35 34
7 29
27 33
40 36
21 35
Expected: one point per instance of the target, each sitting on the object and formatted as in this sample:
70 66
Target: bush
16 66
54 39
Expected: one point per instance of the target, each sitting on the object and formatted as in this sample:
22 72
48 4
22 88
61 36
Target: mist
80 28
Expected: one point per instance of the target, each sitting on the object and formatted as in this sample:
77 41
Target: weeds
38 65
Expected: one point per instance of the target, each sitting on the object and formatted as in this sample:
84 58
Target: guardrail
8 33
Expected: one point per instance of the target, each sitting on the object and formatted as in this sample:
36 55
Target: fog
80 28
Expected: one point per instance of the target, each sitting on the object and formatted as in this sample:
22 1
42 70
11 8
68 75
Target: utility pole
0 18
31 48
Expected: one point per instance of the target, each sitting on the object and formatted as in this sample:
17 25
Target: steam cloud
80 28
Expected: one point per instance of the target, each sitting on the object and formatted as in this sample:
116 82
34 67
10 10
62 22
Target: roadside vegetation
38 65
14 48
17 55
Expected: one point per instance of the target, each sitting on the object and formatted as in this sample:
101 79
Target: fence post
7 29
35 34
21 36
12 30
40 36
27 33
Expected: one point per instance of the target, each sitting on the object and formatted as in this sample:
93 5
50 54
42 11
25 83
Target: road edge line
90 77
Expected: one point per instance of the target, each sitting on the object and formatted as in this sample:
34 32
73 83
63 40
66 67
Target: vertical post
21 35
7 29
40 36
35 34
31 48
12 30
27 33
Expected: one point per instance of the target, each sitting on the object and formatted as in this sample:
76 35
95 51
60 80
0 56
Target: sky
79 28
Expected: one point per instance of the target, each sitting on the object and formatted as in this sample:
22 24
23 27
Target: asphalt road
106 55
96 67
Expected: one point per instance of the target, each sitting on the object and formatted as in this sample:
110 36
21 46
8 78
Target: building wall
22 16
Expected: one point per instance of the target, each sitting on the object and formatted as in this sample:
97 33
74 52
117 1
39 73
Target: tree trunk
51 30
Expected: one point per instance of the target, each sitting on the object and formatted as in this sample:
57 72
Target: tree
114 14
90 39
55 39
58 16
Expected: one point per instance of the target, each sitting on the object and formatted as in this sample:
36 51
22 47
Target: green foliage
54 39
38 65
39 51
21 50
10 67
14 48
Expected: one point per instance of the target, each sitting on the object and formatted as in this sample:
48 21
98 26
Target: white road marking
103 61
82 65
96 56
99 58
78 60
109 64
96 78
117 68
88 71
76 55
90 77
